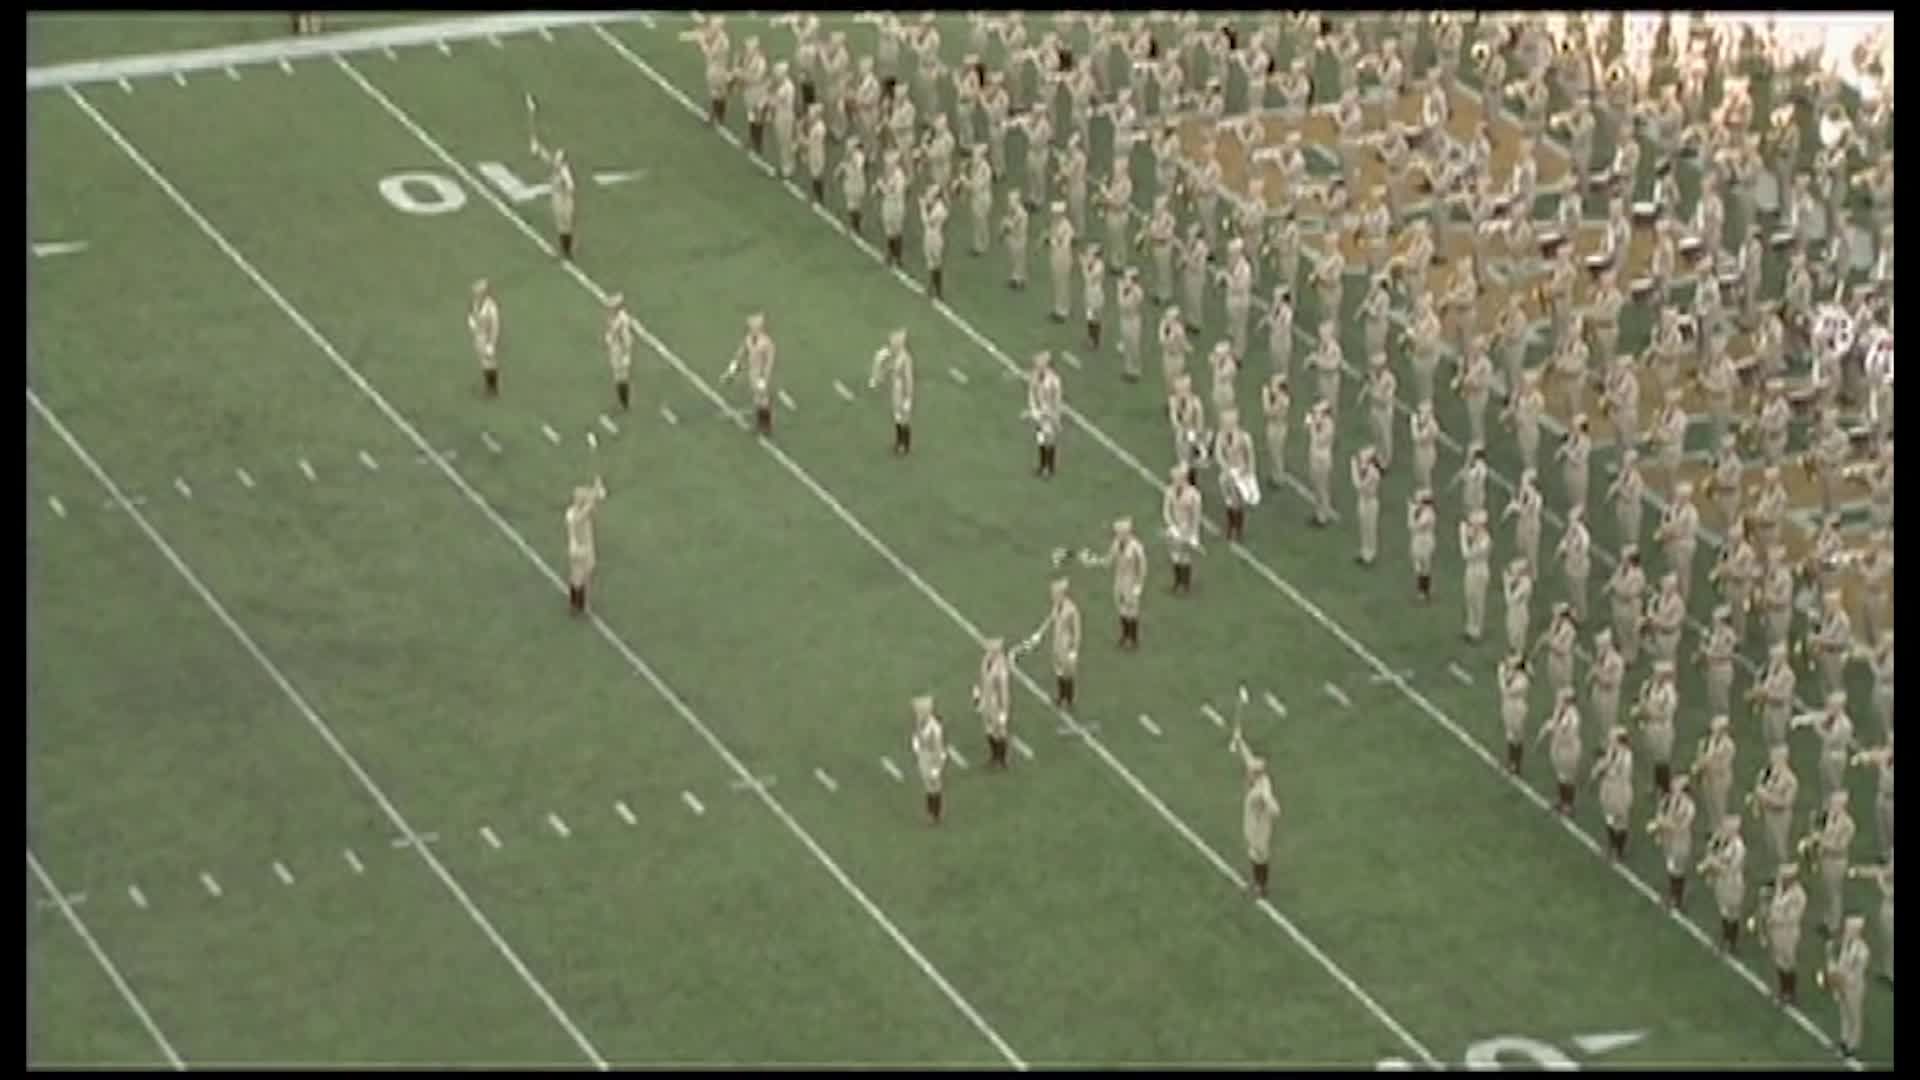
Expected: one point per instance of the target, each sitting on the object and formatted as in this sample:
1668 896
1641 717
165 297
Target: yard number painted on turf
430 194
423 194
1499 1052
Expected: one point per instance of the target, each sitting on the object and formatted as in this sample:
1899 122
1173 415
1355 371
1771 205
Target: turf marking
841 389
494 40
546 35
1607 1042
1147 722
445 49
180 485
246 478
1378 677
958 375
492 838
1071 360
1337 694
1460 673
286 67
424 838
390 54
139 898
1020 747
787 400
354 861
1274 704
491 443
626 815
106 963
366 460
125 85
825 780
667 415
892 769
49 248
693 803
212 886
179 79
953 754
233 73
558 826
59 508
552 435
753 783
607 425
280 871
1213 714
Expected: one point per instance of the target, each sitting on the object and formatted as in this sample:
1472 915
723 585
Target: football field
322 772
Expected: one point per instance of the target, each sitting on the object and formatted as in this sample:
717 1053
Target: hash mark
1072 360
825 780
367 460
546 34
354 861
1147 722
892 769
552 435
179 79
280 871
445 49
956 758
1213 714
213 887
180 485
285 67
1460 673
487 834
607 425
388 49
1274 704
1338 695
424 838
494 40
559 826
693 804
126 86
626 815
307 468
246 478
233 73
59 508
667 415
1020 746
492 444
958 375
787 400
841 389
139 898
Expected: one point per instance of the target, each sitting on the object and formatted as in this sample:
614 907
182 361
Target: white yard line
1337 694
559 827
1220 864
892 769
280 871
139 898
1252 561
106 962
825 780
1020 747
212 886
306 467
1152 728
1460 673
492 838
1274 704
692 802
953 755
59 508
1213 714
282 50
354 862
286 687
626 815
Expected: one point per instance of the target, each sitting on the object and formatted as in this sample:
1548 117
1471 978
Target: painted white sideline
1250 559
280 50
106 963
520 543
879 546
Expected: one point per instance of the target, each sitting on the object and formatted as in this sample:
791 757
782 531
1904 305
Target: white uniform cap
1059 208
1718 723
1683 489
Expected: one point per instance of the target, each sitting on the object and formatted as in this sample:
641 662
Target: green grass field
331 776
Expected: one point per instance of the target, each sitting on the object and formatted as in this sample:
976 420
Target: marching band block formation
1462 261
